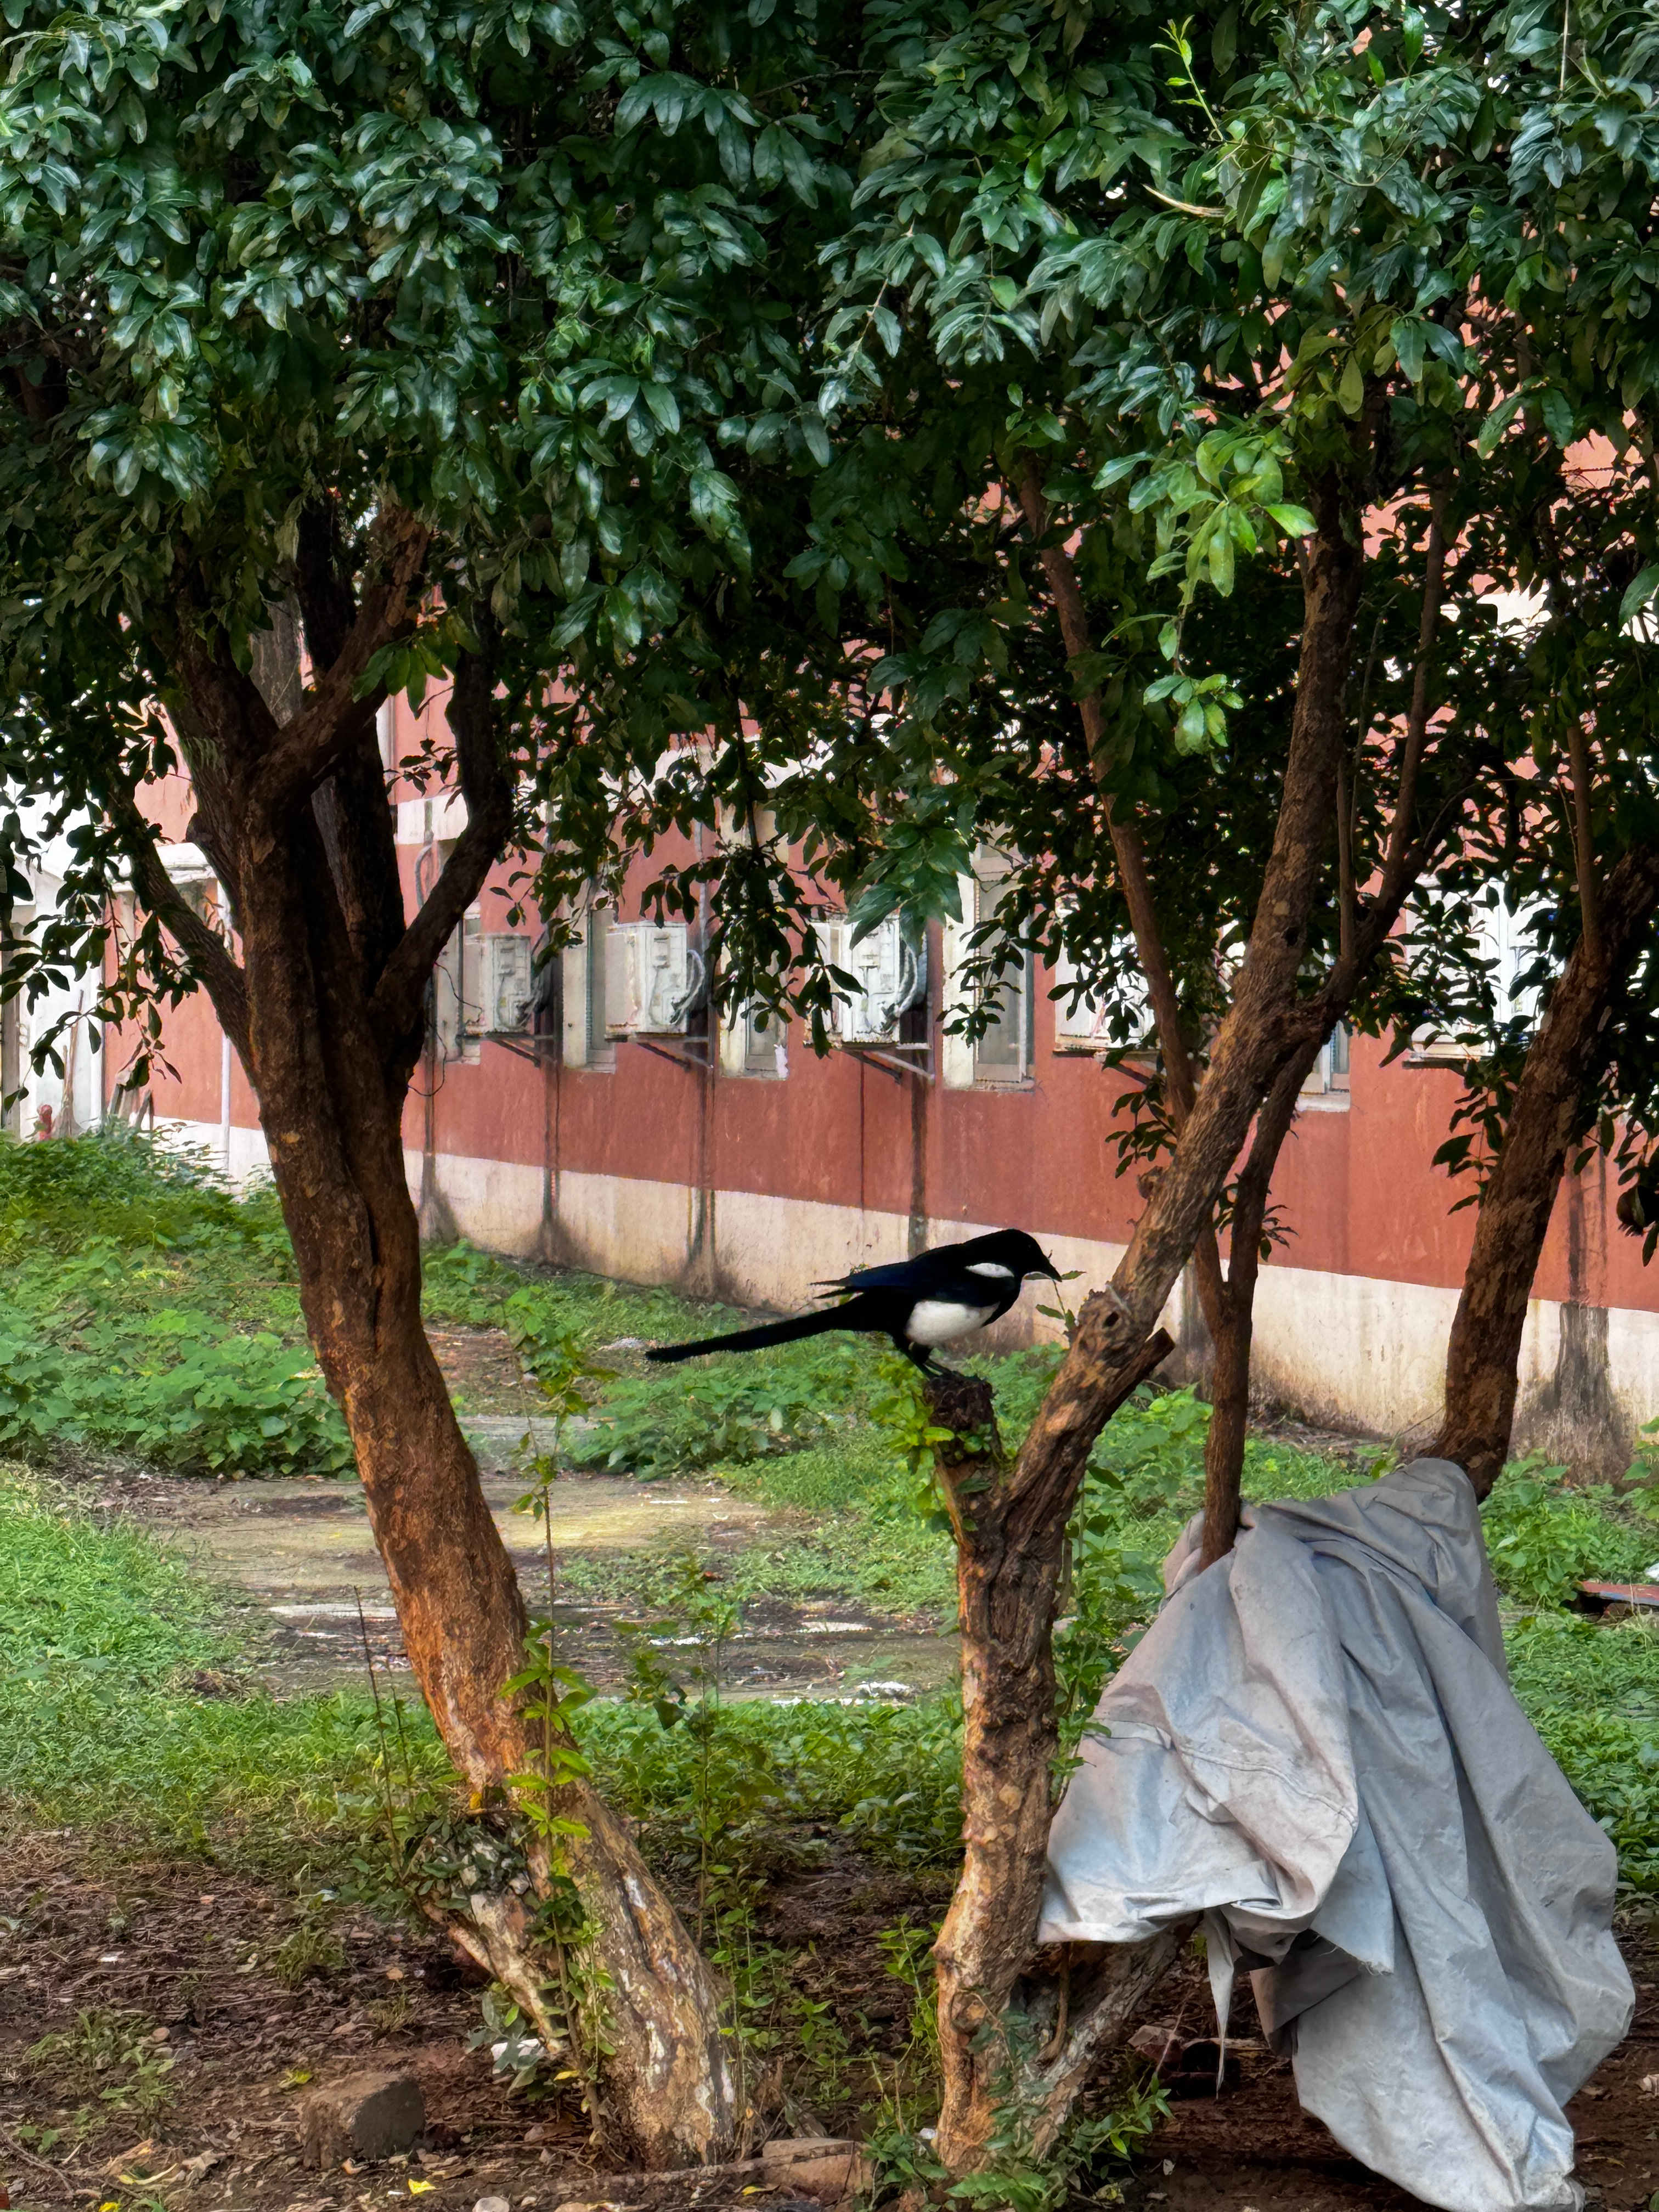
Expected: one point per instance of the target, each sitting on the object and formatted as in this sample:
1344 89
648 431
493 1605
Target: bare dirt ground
1252 2148
187 1954
186 1951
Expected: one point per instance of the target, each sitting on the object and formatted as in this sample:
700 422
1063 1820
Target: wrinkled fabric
1316 1745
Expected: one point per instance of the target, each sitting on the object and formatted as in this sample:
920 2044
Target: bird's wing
897 1275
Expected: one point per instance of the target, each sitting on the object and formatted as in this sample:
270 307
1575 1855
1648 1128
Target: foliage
115 1663
109 2055
550 1694
312 1948
1543 1537
1591 1689
114 1334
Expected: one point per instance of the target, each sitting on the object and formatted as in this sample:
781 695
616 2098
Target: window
1505 942
762 1042
1098 1021
1327 1081
458 991
752 1040
599 928
1002 1057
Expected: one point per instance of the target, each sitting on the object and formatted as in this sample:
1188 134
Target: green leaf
1558 416
1496 422
1638 594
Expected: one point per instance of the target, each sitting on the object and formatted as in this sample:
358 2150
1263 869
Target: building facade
585 1111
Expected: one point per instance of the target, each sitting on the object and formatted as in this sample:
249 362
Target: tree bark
1000 2056
1230 1394
1552 1111
325 1008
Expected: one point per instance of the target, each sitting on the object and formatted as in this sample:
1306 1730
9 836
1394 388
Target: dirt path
302 1552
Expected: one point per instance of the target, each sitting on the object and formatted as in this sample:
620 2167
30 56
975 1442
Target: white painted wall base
250 1156
1349 1352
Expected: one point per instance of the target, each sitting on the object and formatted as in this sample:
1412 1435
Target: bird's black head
1012 1248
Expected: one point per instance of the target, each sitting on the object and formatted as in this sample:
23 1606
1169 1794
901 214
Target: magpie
920 1303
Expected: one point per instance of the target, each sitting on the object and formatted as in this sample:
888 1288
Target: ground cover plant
132 1709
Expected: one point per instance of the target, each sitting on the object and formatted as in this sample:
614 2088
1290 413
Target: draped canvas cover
1316 1745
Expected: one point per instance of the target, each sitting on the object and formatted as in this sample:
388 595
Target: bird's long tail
771 1331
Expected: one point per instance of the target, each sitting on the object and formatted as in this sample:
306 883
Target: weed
309 1949
122 1260
728 1413
1543 1538
109 2055
390 2015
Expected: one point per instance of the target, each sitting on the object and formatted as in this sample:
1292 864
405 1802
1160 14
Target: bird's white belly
936 1320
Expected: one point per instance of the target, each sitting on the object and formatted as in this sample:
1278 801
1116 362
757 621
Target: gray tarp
1315 1744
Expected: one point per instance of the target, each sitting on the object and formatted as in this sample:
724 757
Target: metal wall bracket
537 1050
684 1052
896 1060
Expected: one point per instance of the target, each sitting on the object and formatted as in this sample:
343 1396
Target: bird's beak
1052 1272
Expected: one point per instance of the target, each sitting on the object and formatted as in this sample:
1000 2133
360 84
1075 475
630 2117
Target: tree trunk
1230 1396
1010 1523
667 2091
1004 2056
326 1009
1552 1109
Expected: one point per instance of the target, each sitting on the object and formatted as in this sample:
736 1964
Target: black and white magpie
920 1303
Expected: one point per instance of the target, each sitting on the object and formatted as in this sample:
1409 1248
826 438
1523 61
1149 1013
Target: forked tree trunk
998 2009
1552 1110
1007 2050
326 1009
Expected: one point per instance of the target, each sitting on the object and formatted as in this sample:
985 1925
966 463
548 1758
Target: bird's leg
921 1356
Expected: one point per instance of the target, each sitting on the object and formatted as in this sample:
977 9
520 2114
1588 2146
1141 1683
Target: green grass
126 1706
127 1698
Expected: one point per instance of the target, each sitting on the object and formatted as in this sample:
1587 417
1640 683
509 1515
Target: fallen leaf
420 2188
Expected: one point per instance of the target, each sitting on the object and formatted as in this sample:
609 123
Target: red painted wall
1355 1187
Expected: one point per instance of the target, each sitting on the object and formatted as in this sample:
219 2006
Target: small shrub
726 1414
109 2055
459 1283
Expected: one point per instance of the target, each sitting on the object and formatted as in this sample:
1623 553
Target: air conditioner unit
508 985
892 977
654 979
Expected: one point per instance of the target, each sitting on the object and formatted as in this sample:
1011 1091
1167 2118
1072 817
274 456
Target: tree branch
1060 571
1553 1103
1416 721
306 749
222 977
1224 1446
397 1005
1583 851
351 805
